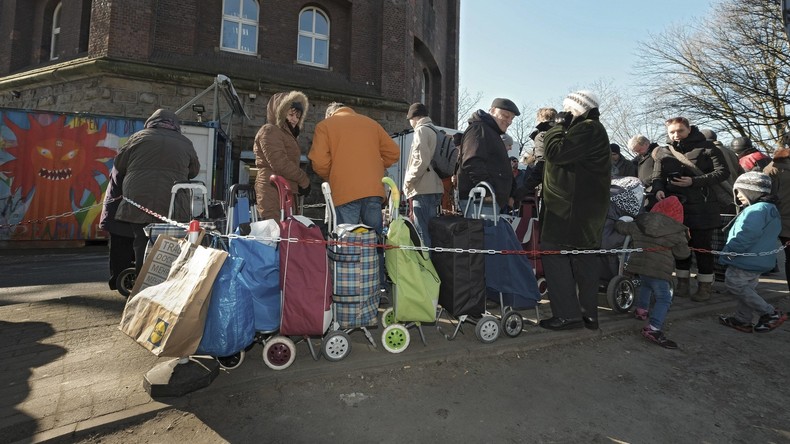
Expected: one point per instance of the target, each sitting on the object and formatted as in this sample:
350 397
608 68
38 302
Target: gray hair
637 140
332 108
507 139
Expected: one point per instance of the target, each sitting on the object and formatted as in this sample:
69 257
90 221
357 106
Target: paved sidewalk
67 369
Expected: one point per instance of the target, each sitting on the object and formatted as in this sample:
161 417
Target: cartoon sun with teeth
57 168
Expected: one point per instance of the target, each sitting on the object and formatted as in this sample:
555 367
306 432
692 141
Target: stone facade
128 58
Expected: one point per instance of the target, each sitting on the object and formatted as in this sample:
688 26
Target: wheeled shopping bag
415 282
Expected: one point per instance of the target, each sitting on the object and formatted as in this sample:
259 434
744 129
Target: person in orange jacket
352 152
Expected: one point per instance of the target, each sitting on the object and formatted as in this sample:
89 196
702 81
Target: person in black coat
121 233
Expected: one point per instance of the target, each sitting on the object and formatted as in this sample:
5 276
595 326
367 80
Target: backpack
445 156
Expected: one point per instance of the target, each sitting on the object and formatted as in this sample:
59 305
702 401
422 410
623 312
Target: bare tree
467 103
729 71
521 127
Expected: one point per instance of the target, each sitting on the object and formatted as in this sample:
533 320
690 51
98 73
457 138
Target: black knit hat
417 110
505 104
614 147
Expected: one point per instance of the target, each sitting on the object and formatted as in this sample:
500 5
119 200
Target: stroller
415 283
626 198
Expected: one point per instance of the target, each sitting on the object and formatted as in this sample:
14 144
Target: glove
304 191
564 118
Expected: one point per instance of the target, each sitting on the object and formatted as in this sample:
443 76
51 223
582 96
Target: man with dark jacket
151 161
576 200
483 155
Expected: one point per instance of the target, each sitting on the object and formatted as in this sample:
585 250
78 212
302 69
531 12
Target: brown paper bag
168 318
157 263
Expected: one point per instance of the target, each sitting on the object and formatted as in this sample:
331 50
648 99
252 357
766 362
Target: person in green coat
577 175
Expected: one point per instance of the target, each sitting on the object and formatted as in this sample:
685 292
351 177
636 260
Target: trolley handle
477 197
286 197
394 200
330 216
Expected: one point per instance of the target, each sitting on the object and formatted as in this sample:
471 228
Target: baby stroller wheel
279 353
336 346
512 323
543 287
232 361
621 294
487 329
125 281
388 317
395 338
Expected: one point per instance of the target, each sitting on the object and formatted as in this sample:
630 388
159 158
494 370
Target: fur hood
280 103
782 153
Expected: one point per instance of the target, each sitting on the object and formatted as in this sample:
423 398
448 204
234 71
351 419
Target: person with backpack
421 183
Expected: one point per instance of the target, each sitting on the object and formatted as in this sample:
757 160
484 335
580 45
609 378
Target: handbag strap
685 160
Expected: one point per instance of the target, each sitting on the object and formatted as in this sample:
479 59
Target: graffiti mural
56 165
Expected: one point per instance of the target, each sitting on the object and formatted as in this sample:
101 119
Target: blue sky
536 51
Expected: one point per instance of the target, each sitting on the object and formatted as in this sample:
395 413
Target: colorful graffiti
56 165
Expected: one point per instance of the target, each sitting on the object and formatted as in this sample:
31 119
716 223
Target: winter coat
754 230
151 161
779 170
656 231
277 152
484 158
351 151
112 198
755 161
623 167
535 174
576 182
732 162
700 207
419 177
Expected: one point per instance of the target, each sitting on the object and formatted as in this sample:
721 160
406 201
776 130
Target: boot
704 283
682 289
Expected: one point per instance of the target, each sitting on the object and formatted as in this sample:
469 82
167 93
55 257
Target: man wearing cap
421 185
749 158
577 173
620 166
483 155
729 156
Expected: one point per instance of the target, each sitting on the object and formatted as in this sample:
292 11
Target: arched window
424 87
55 38
240 26
313 46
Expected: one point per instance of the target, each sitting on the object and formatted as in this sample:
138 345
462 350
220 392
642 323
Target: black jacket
484 158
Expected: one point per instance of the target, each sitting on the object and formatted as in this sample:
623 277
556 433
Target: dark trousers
572 282
785 240
699 239
140 242
121 256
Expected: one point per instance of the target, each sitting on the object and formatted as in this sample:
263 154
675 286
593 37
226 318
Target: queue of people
574 163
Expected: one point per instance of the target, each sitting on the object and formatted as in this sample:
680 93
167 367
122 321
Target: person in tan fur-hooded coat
277 152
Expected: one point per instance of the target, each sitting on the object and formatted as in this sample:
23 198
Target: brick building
128 58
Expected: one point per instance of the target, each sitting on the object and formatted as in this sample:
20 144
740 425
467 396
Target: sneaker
658 337
730 321
641 314
770 321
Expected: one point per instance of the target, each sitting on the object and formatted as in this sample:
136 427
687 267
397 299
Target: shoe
770 321
641 314
560 323
703 292
113 283
590 323
730 321
658 337
682 288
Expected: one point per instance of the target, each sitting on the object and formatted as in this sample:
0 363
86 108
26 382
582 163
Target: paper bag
158 261
168 318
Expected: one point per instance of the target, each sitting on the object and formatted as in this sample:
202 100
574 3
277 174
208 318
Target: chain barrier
56 216
533 253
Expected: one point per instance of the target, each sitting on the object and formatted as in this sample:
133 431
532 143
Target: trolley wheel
621 294
279 353
232 361
395 338
125 281
336 346
388 317
487 329
543 287
512 323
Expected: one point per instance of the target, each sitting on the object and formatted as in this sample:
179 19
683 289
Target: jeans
742 283
424 208
660 289
366 211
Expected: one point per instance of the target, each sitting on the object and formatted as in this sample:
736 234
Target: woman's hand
683 181
660 195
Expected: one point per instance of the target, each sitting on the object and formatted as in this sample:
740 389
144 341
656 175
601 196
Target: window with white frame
240 26
313 45
55 33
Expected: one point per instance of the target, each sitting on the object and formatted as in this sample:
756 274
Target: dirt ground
720 386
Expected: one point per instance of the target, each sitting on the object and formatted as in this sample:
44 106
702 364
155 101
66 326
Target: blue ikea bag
261 278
